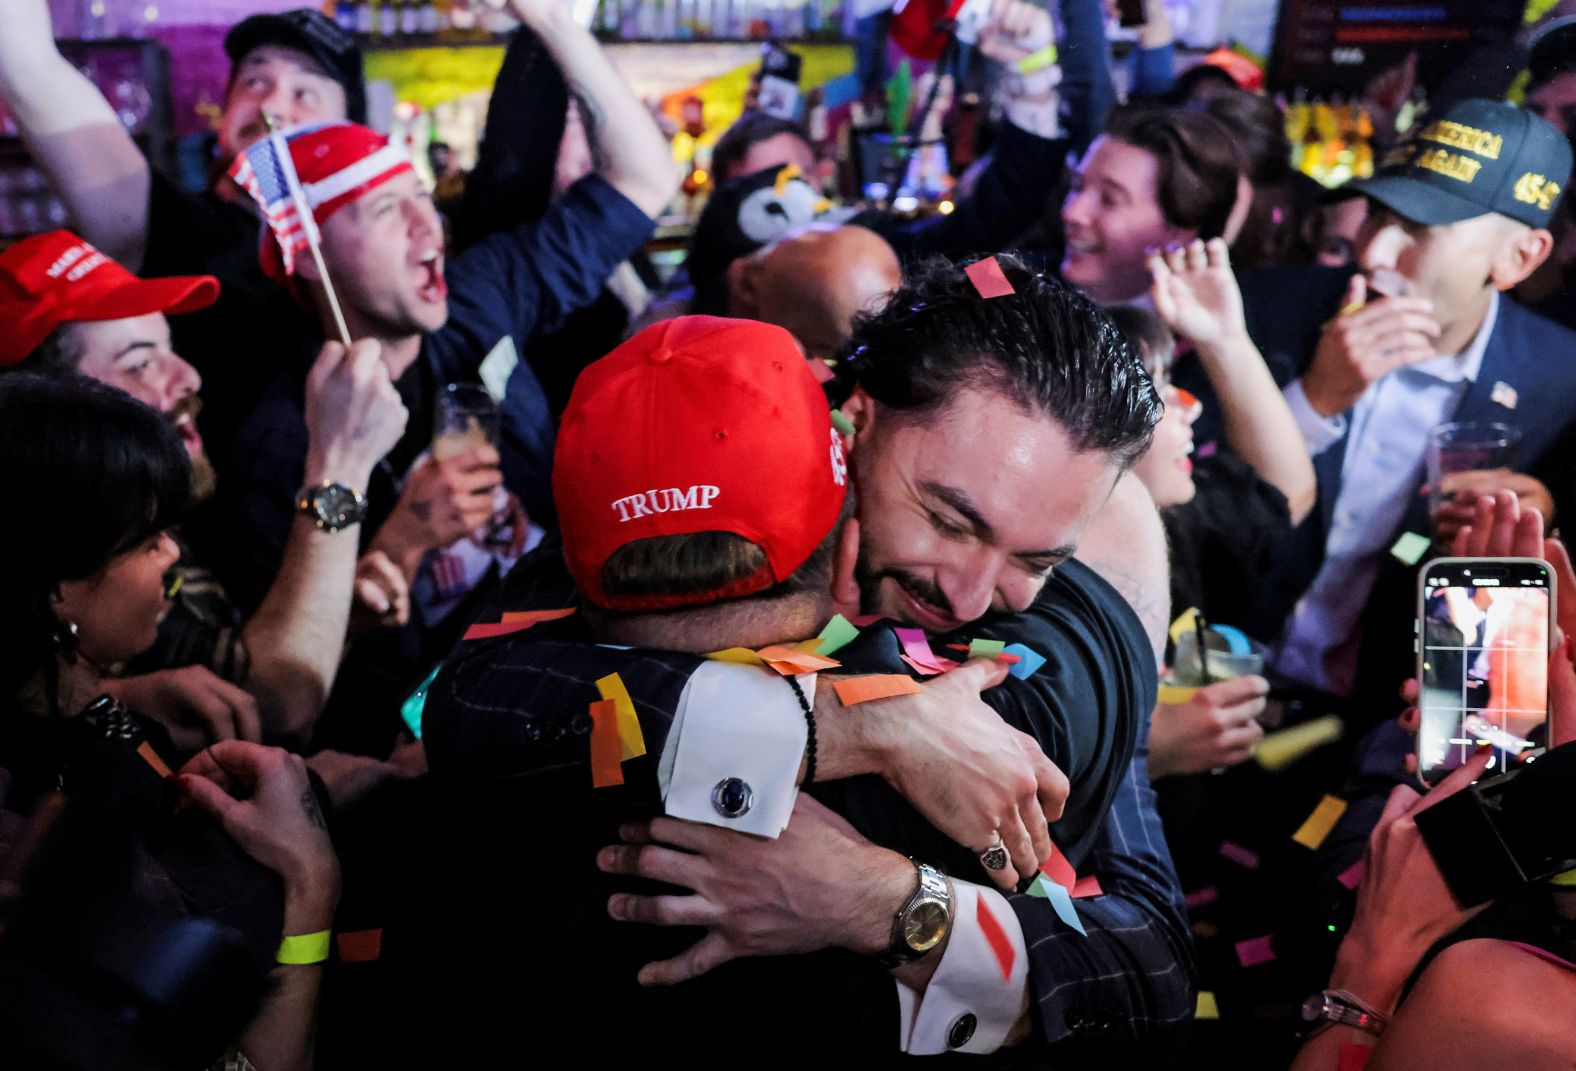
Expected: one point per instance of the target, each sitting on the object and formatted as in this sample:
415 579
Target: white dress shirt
1387 443
739 721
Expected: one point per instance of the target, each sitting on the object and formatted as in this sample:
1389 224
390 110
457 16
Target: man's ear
845 559
306 268
742 299
860 409
1519 256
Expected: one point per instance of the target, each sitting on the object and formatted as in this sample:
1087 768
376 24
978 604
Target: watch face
334 502
925 926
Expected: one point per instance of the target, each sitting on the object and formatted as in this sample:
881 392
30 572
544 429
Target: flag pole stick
309 224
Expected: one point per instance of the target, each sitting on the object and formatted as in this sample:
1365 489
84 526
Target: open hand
819 885
1196 294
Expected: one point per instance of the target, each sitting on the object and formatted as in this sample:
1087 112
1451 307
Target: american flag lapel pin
1504 394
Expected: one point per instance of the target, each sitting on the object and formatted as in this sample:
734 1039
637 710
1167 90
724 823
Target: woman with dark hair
1154 179
95 480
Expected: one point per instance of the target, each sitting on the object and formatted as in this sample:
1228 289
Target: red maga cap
697 424
57 278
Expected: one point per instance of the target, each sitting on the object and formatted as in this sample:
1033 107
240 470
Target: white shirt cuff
735 722
968 999
1318 432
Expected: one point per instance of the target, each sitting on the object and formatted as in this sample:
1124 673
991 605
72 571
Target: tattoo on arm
1152 607
594 120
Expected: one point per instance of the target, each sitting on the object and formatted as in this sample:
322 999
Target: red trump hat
58 278
697 424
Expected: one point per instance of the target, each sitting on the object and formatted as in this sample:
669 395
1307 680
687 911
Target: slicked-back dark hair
1046 347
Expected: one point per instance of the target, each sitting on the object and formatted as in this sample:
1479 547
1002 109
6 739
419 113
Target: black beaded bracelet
809 721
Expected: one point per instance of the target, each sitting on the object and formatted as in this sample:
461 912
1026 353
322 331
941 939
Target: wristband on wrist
1036 61
303 949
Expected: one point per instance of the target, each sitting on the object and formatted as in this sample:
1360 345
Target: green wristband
304 948
1036 61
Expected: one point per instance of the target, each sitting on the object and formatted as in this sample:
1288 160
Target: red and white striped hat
335 164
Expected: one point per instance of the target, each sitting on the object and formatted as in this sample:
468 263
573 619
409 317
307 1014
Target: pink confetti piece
1239 855
1257 950
1201 897
1352 876
988 279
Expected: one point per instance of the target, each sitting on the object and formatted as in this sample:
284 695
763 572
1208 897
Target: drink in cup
467 417
1468 447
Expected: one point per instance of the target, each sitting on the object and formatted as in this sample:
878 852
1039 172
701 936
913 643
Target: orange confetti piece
515 621
607 751
788 662
880 686
151 757
360 946
997 938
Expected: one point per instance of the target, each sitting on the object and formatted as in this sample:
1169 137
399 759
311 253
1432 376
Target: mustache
869 581
191 406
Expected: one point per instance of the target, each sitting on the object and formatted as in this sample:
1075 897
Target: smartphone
1484 626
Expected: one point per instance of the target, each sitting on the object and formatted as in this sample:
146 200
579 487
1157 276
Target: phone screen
1485 660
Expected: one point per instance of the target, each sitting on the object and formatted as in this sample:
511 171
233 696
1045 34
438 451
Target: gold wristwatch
923 921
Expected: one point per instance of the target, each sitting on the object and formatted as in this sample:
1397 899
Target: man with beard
963 407
66 309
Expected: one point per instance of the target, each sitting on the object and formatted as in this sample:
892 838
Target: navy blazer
1287 308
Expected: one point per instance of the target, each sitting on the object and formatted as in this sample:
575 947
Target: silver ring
995 857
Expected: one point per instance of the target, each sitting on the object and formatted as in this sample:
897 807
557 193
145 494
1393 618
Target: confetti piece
1239 855
1320 822
1504 394
1352 876
1252 952
929 670
1354 1056
1351 307
1062 903
1206 450
810 646
842 423
151 757
1207 1008
1201 897
1205 930
788 662
1086 886
741 656
821 370
1280 749
988 279
997 938
917 652
1568 878
516 621
1058 869
1183 625
986 648
536 617
1029 660
415 705
880 686
175 586
606 748
629 734
1410 548
838 633
359 946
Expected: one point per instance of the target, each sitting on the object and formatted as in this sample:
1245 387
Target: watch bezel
333 506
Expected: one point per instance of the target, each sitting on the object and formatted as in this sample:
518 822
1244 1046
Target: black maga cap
1480 156
312 32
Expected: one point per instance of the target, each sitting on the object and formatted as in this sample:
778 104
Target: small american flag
267 172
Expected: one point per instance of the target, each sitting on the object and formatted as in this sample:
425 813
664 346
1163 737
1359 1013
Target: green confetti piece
837 634
411 710
1410 548
842 423
986 648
